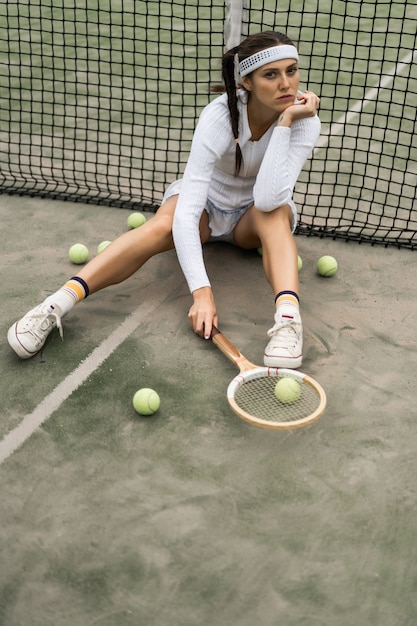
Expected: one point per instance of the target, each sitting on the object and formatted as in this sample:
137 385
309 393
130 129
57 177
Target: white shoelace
38 328
282 333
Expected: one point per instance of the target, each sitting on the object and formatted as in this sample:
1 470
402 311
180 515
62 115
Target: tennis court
193 516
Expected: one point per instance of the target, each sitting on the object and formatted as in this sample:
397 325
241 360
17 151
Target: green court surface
193 517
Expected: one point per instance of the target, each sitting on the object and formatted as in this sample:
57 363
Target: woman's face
273 86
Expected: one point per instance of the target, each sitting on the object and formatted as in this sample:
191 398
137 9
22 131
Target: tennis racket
251 394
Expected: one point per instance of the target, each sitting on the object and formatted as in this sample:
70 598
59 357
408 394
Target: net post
233 27
233 24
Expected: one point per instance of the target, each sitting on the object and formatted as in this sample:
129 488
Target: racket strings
257 398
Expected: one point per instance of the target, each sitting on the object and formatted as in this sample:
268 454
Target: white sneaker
285 348
27 336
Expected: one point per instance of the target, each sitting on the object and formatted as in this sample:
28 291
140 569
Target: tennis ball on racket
146 401
287 390
327 266
78 253
136 219
102 246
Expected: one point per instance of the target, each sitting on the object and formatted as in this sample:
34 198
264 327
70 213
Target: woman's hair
248 47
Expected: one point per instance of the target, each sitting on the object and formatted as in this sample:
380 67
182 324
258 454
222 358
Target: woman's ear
246 83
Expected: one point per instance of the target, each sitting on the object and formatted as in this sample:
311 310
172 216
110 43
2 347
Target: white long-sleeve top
270 170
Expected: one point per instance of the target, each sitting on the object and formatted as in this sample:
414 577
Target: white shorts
222 222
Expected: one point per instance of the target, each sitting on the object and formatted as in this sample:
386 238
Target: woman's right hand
203 314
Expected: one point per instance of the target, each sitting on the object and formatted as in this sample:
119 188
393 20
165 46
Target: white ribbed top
270 170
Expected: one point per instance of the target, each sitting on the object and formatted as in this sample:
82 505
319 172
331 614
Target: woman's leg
126 254
122 258
273 232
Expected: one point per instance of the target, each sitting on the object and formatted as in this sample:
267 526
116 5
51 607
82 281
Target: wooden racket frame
250 371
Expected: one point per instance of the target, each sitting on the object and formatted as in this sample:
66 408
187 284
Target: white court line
17 437
338 127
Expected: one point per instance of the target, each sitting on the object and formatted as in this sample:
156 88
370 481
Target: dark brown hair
249 46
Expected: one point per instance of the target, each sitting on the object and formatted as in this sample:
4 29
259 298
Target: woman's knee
160 231
279 220
256 226
161 223
282 213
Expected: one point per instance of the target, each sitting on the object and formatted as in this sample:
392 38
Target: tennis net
98 102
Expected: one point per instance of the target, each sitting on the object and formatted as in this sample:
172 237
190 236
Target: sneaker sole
15 344
285 362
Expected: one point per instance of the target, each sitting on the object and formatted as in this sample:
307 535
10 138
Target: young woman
247 152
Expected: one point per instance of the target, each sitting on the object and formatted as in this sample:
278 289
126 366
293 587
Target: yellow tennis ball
78 253
287 390
136 219
146 401
102 246
327 266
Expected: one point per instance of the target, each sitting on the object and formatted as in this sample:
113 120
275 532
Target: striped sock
287 298
74 290
287 306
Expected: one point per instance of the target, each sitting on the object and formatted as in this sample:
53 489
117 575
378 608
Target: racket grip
225 345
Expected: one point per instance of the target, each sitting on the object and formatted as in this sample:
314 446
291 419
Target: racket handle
225 345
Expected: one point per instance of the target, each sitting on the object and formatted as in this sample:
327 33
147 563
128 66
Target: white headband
276 53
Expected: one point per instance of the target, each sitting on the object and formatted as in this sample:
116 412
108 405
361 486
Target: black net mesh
98 102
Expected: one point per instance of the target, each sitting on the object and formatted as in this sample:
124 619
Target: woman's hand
202 314
306 106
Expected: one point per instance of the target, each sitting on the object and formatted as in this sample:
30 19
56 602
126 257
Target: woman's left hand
307 105
309 101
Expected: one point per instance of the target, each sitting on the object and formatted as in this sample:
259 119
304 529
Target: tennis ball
287 390
102 246
327 266
135 220
146 401
78 253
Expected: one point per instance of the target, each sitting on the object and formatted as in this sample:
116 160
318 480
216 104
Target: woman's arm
291 143
211 139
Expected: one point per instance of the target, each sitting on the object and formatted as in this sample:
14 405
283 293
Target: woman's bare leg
272 231
126 254
122 258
